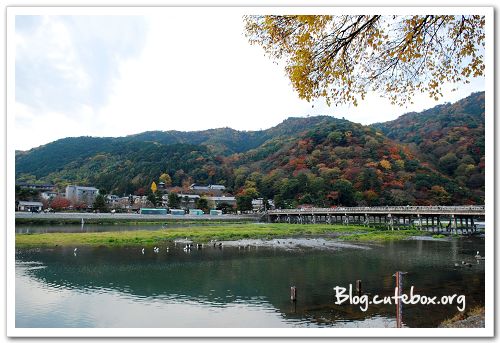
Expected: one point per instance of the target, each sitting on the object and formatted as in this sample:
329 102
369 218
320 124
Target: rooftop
221 198
30 203
84 188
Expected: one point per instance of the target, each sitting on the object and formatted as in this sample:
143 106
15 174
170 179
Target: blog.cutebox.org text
345 295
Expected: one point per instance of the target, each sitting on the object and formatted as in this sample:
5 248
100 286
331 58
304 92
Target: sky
90 75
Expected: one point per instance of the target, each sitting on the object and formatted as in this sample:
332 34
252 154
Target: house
81 194
210 189
48 195
112 199
217 187
188 201
195 187
29 206
259 206
124 202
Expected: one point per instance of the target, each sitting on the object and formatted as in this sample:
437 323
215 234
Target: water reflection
121 287
31 229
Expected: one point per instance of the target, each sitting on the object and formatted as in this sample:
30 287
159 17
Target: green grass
207 233
438 236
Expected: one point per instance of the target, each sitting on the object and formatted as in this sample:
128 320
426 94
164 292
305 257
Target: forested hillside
449 137
433 157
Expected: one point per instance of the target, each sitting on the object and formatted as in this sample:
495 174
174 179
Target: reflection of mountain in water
221 277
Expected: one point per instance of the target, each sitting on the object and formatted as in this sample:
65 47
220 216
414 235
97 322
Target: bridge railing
473 209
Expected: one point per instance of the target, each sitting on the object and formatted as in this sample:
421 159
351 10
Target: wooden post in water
293 293
399 303
358 287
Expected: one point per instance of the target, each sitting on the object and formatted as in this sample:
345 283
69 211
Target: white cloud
189 71
205 77
46 61
33 129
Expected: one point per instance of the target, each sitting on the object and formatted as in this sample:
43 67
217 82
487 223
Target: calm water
98 228
231 287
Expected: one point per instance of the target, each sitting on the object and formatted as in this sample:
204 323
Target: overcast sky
120 75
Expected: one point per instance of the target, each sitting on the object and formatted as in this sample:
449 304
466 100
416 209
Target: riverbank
472 319
203 234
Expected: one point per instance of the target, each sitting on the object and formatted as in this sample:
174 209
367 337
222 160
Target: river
241 286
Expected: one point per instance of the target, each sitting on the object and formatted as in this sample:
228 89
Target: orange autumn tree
343 57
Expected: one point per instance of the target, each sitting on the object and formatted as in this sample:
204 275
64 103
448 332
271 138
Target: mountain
450 137
432 157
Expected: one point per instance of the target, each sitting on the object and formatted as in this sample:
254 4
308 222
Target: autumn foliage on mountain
431 158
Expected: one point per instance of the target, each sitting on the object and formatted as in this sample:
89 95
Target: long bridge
431 218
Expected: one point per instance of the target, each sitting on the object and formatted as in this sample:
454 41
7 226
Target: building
80 194
113 200
188 201
40 188
213 202
198 188
217 187
259 206
48 195
29 206
210 189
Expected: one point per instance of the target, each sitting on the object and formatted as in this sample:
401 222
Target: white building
48 195
258 205
80 194
112 200
215 189
29 206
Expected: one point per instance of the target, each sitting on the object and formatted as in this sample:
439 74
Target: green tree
225 208
152 199
202 204
244 203
345 192
448 162
343 57
100 204
174 201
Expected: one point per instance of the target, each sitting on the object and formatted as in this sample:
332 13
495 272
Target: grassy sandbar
214 232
